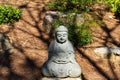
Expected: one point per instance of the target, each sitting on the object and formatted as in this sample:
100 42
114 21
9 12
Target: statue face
62 37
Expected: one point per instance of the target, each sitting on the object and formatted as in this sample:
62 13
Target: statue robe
61 61
61 53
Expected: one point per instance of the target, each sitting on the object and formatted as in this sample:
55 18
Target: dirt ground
31 43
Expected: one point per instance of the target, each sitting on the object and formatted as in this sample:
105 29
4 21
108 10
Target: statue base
49 78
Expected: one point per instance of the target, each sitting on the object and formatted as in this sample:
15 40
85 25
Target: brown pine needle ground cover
31 44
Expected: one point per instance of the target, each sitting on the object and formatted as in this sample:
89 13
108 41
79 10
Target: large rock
51 16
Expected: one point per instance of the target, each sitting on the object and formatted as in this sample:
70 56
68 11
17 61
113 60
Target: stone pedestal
46 78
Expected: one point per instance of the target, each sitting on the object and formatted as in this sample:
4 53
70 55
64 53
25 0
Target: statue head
61 34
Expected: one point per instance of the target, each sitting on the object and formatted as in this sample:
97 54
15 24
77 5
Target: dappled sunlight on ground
31 42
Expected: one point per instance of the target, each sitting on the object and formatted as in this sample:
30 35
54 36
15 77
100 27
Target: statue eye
64 35
59 35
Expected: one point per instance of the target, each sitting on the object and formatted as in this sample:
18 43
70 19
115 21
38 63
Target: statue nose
61 38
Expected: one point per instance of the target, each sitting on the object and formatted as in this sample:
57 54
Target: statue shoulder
52 44
69 42
71 47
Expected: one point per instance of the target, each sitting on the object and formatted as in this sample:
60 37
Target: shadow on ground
31 41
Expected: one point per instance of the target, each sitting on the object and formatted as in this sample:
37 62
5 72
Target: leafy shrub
81 5
117 13
78 34
71 5
112 4
9 14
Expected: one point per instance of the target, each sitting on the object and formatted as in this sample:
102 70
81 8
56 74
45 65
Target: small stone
104 51
5 43
79 19
49 18
115 51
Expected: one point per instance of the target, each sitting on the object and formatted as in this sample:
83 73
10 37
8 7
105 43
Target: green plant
9 14
112 4
71 5
78 34
56 23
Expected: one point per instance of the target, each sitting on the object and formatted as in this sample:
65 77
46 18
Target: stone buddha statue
61 58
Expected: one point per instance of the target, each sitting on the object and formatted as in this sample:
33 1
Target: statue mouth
59 61
62 41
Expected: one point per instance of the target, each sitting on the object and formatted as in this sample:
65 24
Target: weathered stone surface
51 16
5 43
104 51
45 78
79 19
61 59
